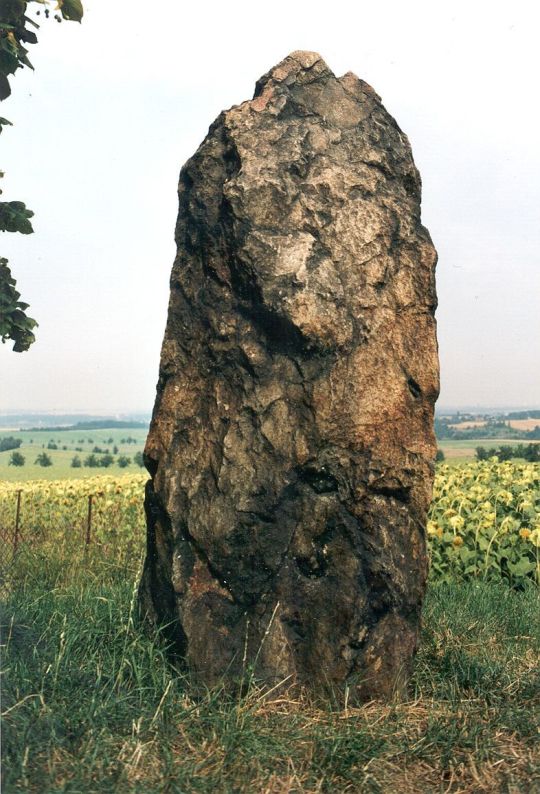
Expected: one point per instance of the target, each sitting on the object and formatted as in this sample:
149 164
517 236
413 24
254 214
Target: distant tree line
529 452
523 415
107 424
92 461
494 428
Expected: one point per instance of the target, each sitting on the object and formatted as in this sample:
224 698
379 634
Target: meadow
68 443
92 703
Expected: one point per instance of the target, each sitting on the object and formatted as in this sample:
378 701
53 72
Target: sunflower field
102 515
484 521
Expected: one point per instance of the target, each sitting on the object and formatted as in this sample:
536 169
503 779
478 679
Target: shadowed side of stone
291 447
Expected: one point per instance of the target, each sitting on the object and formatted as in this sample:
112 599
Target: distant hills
97 424
52 421
449 422
506 411
463 426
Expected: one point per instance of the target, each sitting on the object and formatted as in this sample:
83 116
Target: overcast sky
118 103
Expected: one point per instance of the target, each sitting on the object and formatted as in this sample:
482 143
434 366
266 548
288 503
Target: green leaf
14 217
71 10
13 9
9 61
28 36
5 90
4 123
14 323
522 567
23 59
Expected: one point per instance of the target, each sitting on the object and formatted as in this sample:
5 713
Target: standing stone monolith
291 448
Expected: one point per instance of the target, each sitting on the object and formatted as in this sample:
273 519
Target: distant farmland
462 450
515 424
63 445
524 424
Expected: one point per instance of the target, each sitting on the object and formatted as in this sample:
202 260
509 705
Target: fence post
17 523
89 522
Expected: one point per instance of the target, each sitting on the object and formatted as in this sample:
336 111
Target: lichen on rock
291 448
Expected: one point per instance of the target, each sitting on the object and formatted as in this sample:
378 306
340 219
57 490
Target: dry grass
457 452
468 425
91 704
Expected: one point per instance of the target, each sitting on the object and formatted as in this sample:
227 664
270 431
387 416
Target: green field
69 443
461 451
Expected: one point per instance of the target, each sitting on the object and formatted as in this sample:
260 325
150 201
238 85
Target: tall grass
91 703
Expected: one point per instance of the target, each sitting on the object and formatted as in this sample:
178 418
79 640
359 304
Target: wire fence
61 521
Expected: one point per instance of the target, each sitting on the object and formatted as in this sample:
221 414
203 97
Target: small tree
91 461
9 442
138 459
17 459
106 461
123 461
76 462
440 456
505 453
43 459
532 453
481 453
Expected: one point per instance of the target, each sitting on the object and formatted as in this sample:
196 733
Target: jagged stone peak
294 68
304 72
306 58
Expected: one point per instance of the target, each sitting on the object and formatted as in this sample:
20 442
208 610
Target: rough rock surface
291 447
